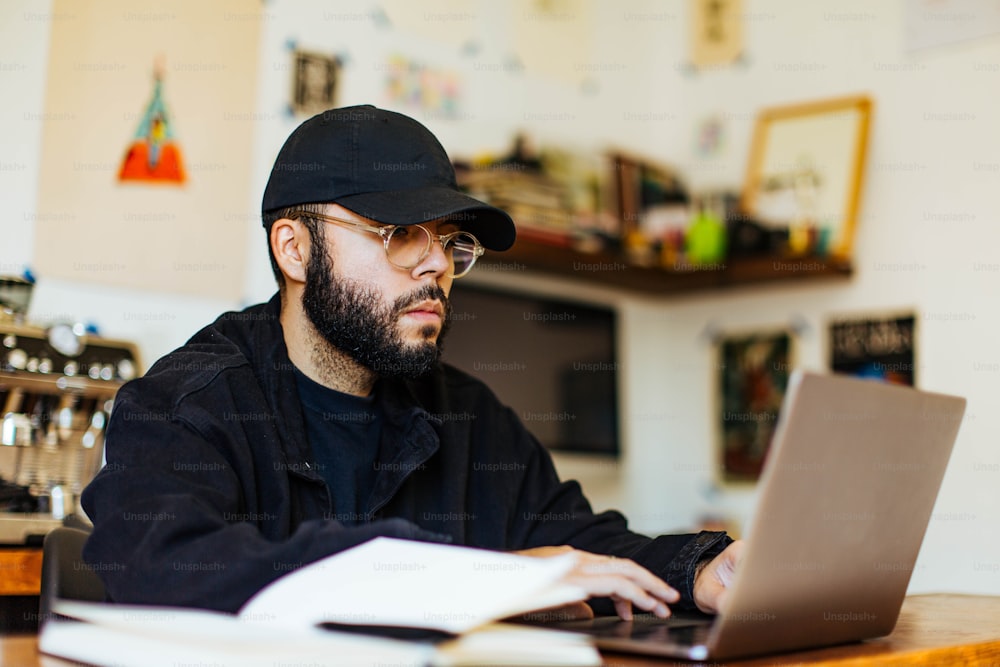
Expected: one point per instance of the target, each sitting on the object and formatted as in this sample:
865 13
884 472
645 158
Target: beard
354 320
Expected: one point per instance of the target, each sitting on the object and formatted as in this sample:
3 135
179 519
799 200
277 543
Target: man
298 428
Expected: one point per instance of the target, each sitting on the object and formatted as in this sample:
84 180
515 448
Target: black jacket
209 492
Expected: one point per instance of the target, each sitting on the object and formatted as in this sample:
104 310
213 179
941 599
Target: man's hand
620 579
711 584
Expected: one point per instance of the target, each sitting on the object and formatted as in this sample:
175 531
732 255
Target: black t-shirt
343 432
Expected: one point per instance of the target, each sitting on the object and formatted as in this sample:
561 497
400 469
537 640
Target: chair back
64 574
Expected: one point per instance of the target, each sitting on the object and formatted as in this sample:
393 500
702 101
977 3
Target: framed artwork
877 347
716 32
753 377
804 172
154 155
314 82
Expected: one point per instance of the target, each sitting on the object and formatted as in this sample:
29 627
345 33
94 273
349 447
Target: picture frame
717 33
874 346
753 372
314 82
804 172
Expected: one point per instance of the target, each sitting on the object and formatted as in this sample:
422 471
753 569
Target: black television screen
552 361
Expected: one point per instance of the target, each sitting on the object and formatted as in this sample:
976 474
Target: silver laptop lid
846 495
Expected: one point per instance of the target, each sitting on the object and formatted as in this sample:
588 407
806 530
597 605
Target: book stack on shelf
537 202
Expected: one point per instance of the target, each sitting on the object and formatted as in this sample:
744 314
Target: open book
347 609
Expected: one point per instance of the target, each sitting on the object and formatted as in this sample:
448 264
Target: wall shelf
612 269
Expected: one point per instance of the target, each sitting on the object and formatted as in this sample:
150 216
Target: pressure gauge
17 359
66 339
126 369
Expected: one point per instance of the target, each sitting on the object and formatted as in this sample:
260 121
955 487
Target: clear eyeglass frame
460 242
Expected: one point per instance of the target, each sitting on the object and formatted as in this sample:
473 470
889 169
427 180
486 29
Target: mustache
426 293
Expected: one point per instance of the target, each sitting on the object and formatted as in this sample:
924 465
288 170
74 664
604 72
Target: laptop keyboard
687 632
684 630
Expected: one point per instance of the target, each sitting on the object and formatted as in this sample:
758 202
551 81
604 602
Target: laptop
844 501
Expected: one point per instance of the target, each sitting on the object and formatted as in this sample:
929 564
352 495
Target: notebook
845 498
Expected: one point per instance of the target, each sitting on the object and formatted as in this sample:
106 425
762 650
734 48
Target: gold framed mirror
804 172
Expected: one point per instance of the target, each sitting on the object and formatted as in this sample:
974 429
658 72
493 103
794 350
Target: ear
290 245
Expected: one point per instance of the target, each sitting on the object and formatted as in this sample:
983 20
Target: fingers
634 572
623 608
712 584
625 582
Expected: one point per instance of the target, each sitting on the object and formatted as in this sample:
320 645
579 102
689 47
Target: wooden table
932 630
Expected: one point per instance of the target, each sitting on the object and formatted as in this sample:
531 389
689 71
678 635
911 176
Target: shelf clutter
622 221
610 269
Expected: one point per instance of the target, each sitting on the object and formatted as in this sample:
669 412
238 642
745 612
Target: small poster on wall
753 376
154 155
434 91
716 32
314 83
879 347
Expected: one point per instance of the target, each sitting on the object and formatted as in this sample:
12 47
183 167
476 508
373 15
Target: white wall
926 237
24 49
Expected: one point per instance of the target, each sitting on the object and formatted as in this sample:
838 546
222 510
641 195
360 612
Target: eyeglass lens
407 247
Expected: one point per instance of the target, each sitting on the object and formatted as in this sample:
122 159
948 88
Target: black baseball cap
383 166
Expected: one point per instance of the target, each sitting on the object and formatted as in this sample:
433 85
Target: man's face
393 326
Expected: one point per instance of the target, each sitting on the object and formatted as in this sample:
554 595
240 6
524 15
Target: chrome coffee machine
57 385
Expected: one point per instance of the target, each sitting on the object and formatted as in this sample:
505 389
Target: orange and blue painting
154 156
753 372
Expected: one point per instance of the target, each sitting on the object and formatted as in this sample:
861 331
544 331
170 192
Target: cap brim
491 225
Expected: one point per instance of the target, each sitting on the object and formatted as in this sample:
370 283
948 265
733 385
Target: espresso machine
57 386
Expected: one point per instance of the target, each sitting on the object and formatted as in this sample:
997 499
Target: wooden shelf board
610 269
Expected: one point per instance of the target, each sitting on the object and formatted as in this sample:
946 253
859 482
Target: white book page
404 583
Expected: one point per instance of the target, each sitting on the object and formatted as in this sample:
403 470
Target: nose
435 263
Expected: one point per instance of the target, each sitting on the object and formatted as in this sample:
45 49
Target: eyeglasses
405 247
